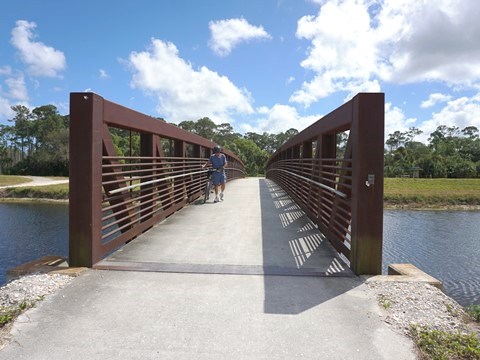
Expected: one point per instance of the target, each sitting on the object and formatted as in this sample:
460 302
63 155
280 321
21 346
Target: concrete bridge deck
247 278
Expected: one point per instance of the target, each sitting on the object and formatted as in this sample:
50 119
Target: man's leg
222 189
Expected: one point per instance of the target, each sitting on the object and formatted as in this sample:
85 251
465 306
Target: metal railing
113 197
343 194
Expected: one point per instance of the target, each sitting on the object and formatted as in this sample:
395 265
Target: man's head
217 149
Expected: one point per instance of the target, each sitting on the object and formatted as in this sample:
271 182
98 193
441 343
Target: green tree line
36 143
449 153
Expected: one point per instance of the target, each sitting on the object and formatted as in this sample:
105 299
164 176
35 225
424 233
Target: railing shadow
312 270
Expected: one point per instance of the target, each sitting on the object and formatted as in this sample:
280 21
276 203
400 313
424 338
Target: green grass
432 192
440 345
7 314
6 180
56 192
403 192
474 312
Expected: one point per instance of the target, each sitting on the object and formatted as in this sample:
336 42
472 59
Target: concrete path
272 289
36 181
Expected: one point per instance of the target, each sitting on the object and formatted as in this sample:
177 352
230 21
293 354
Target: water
29 231
445 244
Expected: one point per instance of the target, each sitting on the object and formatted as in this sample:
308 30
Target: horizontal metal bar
339 193
154 181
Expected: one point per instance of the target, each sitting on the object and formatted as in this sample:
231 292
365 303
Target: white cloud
226 34
279 118
356 44
103 74
395 120
42 60
290 80
342 51
182 92
5 110
426 41
17 88
434 99
461 112
13 93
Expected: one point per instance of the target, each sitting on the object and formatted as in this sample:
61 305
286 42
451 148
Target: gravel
402 303
31 288
28 289
416 303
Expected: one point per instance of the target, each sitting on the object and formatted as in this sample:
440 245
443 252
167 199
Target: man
218 161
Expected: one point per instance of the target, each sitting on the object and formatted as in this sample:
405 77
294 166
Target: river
445 244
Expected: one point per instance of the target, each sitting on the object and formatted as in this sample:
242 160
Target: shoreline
386 206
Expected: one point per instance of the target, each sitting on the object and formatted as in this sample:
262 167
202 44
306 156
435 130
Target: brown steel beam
85 194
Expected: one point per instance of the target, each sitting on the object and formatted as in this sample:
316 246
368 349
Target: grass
9 313
12 180
441 345
431 192
398 192
56 192
474 312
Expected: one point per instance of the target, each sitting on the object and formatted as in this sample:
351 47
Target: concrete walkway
36 181
265 285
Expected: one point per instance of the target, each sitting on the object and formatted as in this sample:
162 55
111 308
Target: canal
445 244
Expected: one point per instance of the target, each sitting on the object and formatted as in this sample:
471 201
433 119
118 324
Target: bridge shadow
313 271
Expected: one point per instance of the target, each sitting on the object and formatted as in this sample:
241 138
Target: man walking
218 161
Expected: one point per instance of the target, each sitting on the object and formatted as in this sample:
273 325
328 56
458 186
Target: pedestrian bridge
257 230
318 212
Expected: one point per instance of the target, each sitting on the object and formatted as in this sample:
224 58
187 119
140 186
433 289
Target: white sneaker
221 196
216 199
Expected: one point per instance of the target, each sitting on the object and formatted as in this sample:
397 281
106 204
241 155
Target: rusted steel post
85 199
367 183
148 148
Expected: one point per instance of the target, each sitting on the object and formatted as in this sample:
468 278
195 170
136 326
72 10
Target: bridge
268 273
332 197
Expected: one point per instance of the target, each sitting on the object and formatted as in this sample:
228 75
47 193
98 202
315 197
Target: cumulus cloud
357 44
42 60
182 92
460 112
279 118
13 91
226 34
395 120
434 99
5 110
17 88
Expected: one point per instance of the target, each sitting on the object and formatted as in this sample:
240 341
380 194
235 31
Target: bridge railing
341 191
115 197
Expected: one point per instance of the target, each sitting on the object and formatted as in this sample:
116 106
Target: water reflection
29 231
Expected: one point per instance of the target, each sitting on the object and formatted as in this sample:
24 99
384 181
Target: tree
252 156
22 127
205 128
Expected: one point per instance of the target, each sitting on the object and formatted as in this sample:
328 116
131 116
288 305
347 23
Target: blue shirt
217 161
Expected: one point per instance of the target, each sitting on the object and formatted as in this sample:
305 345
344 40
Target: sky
260 65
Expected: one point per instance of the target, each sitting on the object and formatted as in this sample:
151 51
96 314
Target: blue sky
261 65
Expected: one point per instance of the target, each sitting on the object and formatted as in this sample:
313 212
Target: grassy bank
431 193
398 193
6 180
55 192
